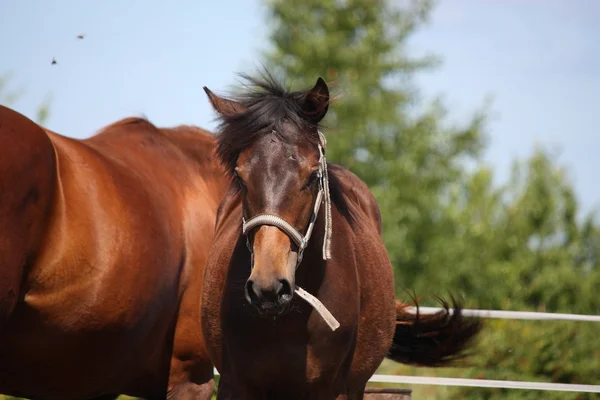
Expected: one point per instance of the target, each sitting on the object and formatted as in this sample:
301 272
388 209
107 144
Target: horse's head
270 142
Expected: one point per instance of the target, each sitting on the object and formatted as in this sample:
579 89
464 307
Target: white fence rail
488 383
525 315
485 383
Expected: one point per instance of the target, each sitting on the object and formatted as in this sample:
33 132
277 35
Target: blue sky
539 60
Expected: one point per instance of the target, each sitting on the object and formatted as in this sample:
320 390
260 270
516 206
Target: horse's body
103 244
266 344
298 352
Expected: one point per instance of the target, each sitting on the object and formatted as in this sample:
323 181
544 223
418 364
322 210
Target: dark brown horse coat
102 247
266 343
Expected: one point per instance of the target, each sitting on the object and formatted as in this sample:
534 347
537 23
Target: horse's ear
225 107
316 102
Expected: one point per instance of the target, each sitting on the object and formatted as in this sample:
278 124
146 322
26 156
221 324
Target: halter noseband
298 238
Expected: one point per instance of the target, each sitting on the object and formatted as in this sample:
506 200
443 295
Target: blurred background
474 122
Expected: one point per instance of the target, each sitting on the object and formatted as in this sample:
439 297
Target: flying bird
80 36
53 61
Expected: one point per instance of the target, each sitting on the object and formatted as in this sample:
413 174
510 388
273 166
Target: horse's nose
269 295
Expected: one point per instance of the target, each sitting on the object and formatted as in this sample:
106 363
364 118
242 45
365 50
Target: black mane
268 105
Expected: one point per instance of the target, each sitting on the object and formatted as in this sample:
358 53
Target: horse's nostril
276 293
285 291
251 295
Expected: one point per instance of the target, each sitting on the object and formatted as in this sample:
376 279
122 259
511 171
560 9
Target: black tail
433 340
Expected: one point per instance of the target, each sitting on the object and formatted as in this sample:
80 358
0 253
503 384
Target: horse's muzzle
270 299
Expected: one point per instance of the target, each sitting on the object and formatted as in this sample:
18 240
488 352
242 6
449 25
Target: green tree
409 159
8 97
534 255
519 246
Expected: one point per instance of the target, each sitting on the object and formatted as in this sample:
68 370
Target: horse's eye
312 179
238 178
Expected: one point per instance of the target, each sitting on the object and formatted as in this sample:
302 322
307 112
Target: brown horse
266 342
103 244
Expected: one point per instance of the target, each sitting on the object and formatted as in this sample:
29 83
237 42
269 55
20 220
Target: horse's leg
191 372
326 393
225 391
355 395
189 379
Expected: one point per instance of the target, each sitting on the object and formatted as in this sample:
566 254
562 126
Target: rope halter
301 240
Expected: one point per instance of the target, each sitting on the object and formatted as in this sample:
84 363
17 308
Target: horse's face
277 170
277 178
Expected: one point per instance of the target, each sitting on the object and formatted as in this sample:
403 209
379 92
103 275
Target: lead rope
309 298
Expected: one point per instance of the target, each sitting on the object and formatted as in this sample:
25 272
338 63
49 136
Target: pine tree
409 159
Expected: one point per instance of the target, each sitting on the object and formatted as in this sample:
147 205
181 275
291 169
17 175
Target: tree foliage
520 246
8 97
409 159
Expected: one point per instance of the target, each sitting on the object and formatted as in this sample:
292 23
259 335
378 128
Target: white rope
524 315
319 307
274 220
485 383
328 219
427 380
